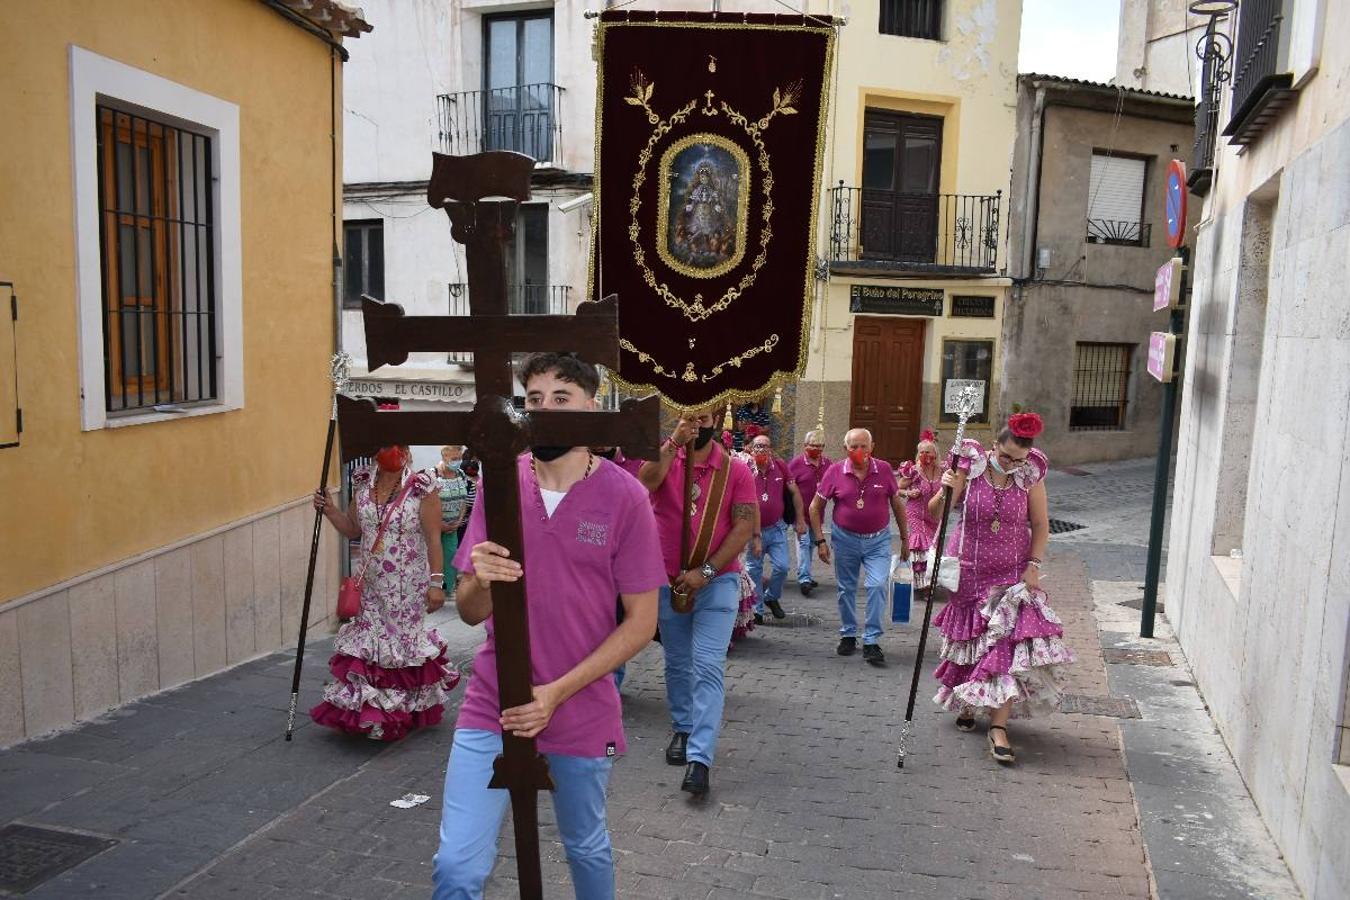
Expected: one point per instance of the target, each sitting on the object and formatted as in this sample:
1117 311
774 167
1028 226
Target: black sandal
1000 754
964 722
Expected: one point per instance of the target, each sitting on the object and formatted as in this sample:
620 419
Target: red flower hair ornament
1025 425
927 436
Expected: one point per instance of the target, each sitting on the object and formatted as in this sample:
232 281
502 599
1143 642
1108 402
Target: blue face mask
998 467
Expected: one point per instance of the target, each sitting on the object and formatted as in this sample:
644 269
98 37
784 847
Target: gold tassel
777 408
727 423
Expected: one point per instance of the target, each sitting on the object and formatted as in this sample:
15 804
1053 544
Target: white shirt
551 499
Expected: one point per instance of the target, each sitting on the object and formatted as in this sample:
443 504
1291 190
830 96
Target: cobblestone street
208 802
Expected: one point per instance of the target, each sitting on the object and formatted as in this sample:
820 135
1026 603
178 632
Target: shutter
1116 189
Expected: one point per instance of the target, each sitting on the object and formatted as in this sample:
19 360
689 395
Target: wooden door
902 159
887 388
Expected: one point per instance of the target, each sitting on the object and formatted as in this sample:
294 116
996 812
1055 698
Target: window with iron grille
912 18
1101 383
156 198
1116 200
363 261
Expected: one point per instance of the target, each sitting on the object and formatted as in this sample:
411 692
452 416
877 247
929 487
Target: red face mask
390 459
860 456
761 456
813 453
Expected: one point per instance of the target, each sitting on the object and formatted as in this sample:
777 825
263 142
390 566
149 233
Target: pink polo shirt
843 487
600 542
668 501
807 475
769 487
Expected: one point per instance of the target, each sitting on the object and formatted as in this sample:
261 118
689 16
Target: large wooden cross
480 194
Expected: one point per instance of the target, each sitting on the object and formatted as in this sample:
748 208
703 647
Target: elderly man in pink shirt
589 536
807 469
695 641
866 497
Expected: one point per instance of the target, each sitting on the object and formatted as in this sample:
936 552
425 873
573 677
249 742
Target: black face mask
608 454
705 436
548 454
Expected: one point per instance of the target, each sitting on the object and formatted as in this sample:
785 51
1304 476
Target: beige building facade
1087 238
1258 572
167 251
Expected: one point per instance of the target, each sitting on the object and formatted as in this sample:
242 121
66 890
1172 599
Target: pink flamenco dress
922 526
745 614
1001 640
391 672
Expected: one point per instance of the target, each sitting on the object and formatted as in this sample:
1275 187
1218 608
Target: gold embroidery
663 206
690 374
813 296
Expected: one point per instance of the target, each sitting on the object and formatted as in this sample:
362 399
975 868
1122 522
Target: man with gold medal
866 497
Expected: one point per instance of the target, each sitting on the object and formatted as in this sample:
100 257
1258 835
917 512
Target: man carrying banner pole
698 609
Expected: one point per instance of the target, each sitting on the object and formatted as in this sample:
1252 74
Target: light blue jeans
695 646
471 819
805 551
871 552
773 539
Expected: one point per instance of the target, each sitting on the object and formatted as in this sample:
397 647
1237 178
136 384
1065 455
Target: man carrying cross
698 607
589 535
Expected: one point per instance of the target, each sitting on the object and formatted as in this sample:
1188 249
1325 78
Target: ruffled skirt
745 614
1006 648
384 691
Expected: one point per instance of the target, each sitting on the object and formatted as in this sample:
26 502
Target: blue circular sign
1174 203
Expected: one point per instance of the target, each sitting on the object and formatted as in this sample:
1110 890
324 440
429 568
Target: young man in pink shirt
589 536
695 642
865 496
807 469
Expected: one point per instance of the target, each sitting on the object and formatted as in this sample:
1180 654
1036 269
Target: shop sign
444 391
1162 348
894 300
973 307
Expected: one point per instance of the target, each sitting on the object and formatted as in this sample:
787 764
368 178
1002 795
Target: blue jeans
873 553
471 819
695 646
774 544
805 550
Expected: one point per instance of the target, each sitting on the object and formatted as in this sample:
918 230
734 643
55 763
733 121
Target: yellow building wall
74 501
970 81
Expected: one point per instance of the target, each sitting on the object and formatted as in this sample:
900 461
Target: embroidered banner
710 134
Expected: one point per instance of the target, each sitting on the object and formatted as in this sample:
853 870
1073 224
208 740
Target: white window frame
96 79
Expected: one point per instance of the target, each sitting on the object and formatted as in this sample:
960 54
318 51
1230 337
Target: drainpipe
1032 189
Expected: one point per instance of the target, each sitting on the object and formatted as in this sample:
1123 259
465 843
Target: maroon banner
710 140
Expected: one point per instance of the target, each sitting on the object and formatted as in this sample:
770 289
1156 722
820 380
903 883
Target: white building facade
1259 561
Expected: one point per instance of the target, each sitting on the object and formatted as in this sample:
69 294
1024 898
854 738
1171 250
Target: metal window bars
1113 231
157 247
1101 382
1214 50
523 299
525 118
904 230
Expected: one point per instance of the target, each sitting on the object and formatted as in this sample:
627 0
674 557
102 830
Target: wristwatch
708 572
437 581
817 542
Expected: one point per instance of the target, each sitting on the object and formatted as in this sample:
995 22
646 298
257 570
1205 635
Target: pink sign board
1167 284
1161 353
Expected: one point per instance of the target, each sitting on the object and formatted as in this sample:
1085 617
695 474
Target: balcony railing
1112 231
1261 82
522 299
525 119
897 230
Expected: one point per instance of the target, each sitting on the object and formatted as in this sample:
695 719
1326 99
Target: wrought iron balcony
1261 80
522 299
526 119
1214 50
902 231
1111 231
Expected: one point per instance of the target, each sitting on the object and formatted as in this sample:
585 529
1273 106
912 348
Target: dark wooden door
887 389
902 158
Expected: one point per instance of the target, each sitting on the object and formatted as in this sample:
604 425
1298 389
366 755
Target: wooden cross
480 194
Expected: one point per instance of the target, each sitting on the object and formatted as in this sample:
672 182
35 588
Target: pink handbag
349 594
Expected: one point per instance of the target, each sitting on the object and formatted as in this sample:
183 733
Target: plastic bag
902 589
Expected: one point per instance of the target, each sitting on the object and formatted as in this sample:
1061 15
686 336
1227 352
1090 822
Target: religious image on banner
710 142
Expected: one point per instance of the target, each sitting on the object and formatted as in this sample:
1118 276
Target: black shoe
873 656
776 608
846 646
695 779
759 619
675 749
1002 755
806 587
965 721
